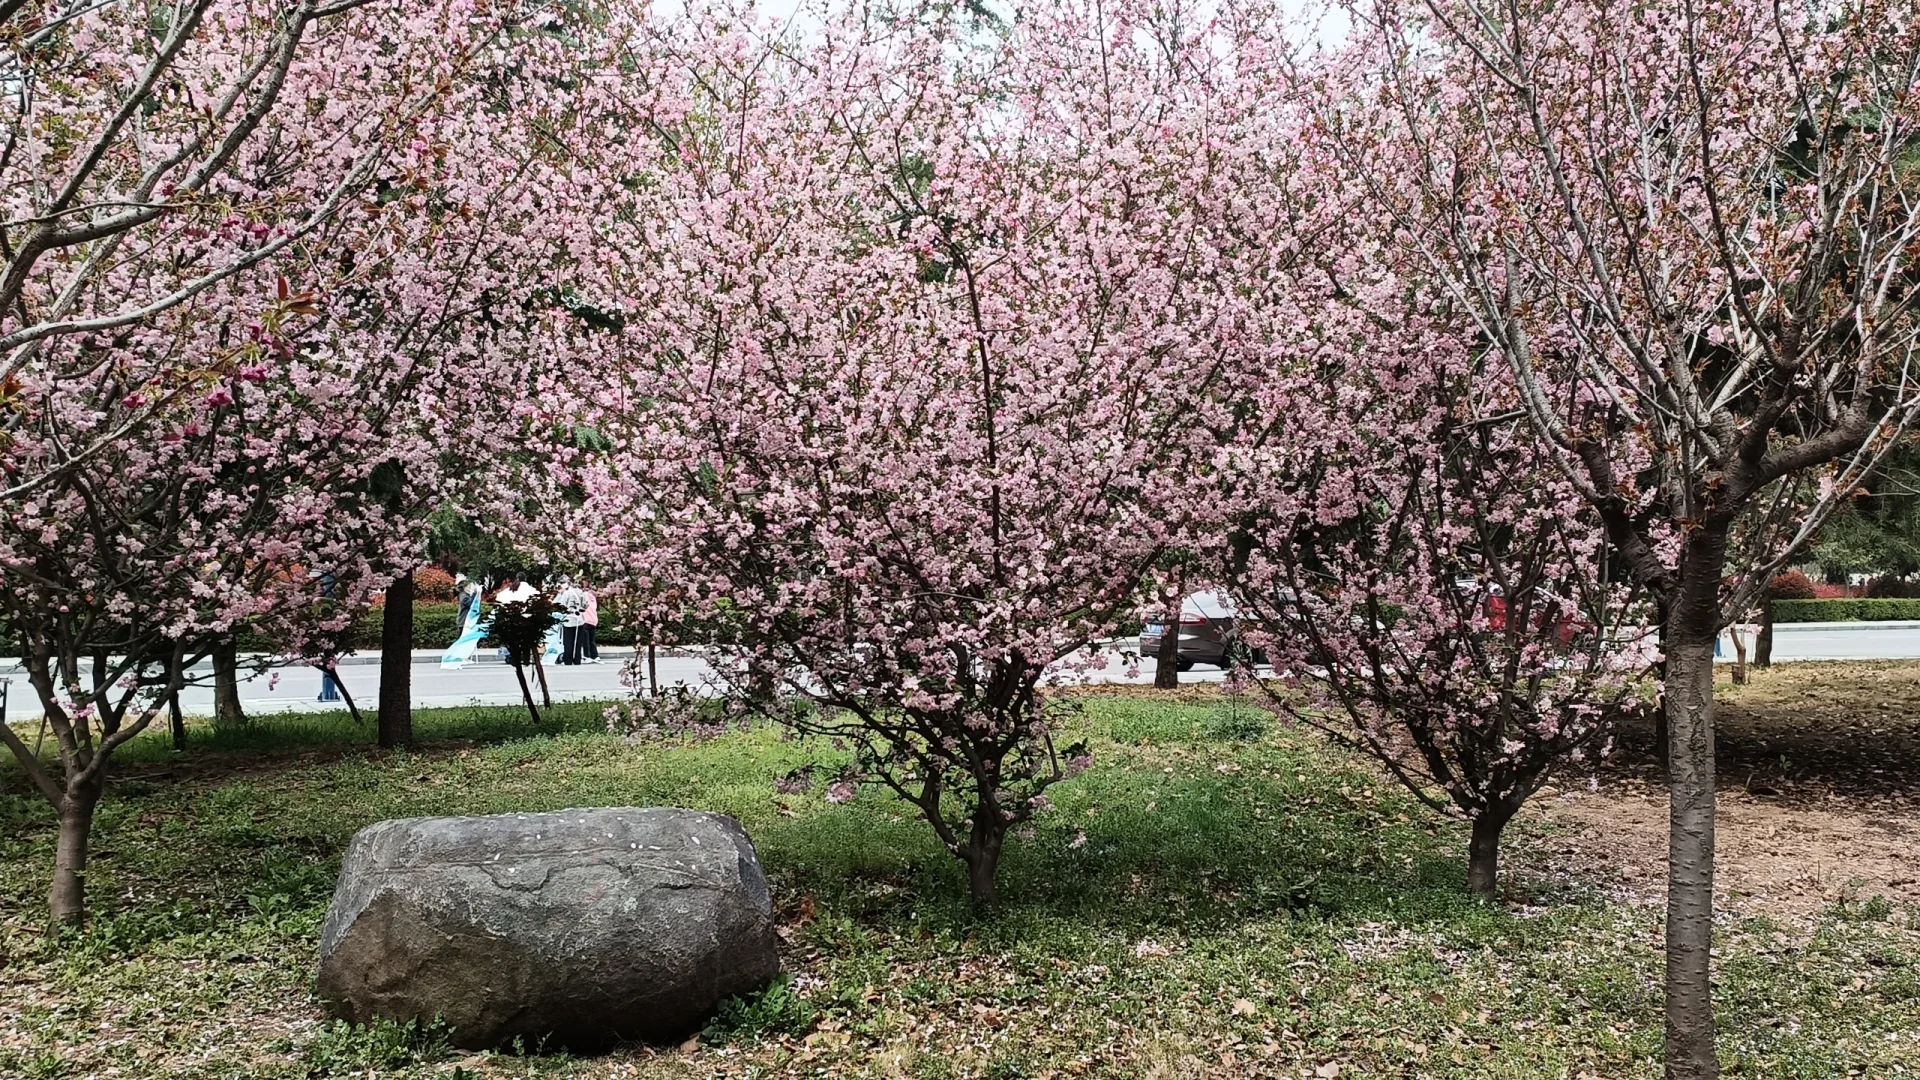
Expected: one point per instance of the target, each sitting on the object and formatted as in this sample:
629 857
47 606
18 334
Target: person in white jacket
572 604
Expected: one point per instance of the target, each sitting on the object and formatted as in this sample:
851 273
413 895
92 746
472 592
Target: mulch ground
1818 801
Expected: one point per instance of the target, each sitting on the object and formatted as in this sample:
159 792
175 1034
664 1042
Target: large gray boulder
580 926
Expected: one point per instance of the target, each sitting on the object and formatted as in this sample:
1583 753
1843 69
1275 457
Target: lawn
1219 896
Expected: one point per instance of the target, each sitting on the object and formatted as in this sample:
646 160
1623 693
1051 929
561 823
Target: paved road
489 682
297 689
484 682
1842 641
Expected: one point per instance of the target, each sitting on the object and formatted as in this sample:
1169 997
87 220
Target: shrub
1893 588
378 1046
774 1011
432 583
1792 585
1815 611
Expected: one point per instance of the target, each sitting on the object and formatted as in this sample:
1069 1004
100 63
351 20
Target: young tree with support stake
1689 232
521 626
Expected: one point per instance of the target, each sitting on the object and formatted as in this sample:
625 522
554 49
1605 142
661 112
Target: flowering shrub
1792 585
432 584
256 256
678 714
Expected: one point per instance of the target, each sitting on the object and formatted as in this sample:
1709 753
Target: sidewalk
610 654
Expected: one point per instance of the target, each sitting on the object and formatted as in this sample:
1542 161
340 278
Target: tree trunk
226 686
1695 620
1166 662
1763 644
983 858
526 692
395 707
1739 655
341 686
1483 852
178 723
1660 737
540 669
67 900
653 670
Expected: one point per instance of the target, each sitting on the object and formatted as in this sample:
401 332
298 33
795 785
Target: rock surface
582 927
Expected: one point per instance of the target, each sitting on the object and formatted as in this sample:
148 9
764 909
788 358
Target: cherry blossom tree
906 322
153 152
1688 231
1433 595
264 382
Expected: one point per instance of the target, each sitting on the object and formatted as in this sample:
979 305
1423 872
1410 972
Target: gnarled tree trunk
1483 851
982 855
226 685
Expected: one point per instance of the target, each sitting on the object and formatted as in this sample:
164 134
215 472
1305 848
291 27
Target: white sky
1316 20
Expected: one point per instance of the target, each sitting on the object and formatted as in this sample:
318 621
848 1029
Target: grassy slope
1245 903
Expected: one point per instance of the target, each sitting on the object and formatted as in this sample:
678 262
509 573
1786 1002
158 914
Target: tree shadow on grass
274 742
1184 827
1132 850
1804 735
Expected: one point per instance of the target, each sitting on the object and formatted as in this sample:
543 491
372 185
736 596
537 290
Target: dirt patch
1773 858
1818 799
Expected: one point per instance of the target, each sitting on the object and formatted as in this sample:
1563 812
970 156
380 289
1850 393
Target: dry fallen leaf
1329 1070
1243 1007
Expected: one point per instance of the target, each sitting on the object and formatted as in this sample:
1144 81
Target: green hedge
1850 610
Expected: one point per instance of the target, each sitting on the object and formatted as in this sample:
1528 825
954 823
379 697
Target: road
489 682
1842 641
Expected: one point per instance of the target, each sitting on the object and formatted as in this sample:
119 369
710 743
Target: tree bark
1763 644
340 685
395 708
1166 660
67 900
1695 618
176 723
226 685
526 692
540 669
983 859
1483 852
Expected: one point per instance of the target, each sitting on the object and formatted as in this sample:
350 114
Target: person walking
572 603
589 624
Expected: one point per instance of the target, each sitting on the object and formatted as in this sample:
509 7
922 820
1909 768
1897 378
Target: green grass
1245 902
